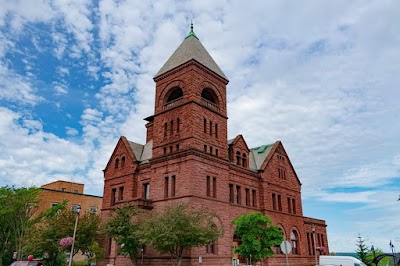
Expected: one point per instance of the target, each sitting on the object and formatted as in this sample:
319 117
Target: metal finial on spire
191 33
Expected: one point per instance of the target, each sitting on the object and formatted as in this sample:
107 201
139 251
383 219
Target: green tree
123 228
258 236
6 216
57 223
178 229
362 250
17 208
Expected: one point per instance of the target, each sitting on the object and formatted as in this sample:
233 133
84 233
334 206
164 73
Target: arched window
278 247
175 94
244 160
294 239
123 161
209 95
212 247
238 158
116 163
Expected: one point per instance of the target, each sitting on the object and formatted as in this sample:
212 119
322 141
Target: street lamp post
77 211
315 247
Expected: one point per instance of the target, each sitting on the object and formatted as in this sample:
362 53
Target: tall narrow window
279 203
113 196
216 130
247 197
172 128
178 125
177 147
294 239
205 148
208 186
216 152
231 194
165 129
214 187
166 181
109 246
205 125
294 206
244 160
309 243
289 201
210 128
238 158
165 150
123 161
170 149
238 195
173 182
121 193
146 190
116 163
254 198
211 150
273 201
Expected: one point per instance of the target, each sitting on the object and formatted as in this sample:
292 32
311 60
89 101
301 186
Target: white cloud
71 131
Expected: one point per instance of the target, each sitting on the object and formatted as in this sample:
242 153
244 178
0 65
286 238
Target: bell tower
190 103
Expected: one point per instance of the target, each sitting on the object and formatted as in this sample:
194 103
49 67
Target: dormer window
244 160
123 161
116 163
238 158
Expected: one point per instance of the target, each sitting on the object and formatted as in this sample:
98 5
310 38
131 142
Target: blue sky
321 76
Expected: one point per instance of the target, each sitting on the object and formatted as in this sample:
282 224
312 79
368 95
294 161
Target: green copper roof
191 33
191 48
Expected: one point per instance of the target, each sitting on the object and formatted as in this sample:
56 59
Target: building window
282 173
291 205
231 194
294 240
165 150
238 195
254 198
238 158
123 161
116 163
247 197
146 190
278 247
273 201
165 129
113 196
121 193
173 182
109 246
54 204
216 152
177 147
92 209
172 128
279 203
166 187
210 128
216 130
75 207
212 247
175 94
178 125
309 241
244 160
205 148
208 186
211 150
205 125
75 191
294 206
170 149
214 187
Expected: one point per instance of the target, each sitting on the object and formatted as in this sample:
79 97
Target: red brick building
188 158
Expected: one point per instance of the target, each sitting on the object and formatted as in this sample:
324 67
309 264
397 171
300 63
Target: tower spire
191 33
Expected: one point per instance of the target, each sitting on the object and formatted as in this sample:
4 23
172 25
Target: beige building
55 192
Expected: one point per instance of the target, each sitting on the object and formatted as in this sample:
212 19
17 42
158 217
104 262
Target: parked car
30 262
339 261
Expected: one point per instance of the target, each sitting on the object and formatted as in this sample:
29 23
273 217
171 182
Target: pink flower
321 249
66 242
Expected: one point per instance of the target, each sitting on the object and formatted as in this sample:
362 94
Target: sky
321 76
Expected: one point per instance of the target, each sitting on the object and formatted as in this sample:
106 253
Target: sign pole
286 254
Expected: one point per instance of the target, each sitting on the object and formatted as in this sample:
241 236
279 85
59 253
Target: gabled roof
258 156
191 48
143 153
